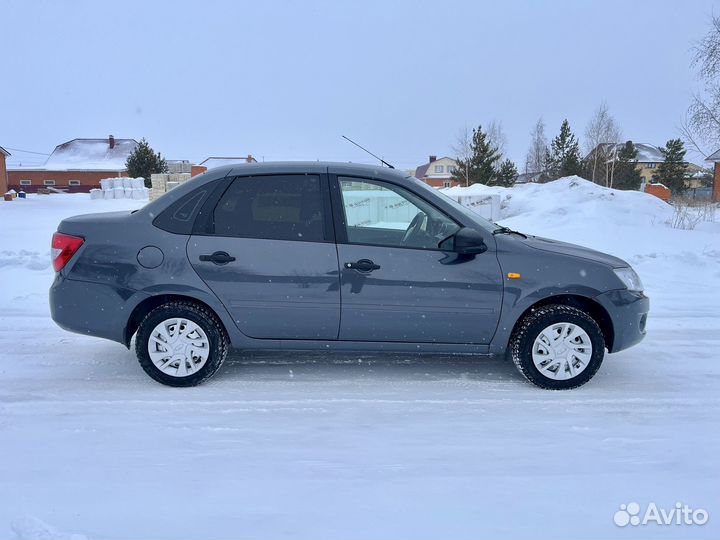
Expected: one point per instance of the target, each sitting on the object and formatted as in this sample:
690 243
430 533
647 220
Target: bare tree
701 128
614 135
535 159
463 152
602 139
595 136
496 136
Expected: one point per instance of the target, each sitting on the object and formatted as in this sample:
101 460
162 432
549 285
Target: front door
270 257
396 284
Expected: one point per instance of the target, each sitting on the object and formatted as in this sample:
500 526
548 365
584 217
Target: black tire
203 317
528 329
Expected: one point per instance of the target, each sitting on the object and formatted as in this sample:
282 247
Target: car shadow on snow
366 367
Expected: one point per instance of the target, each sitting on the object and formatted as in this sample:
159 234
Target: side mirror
466 241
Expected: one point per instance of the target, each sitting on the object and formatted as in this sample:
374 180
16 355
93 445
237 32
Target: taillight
64 247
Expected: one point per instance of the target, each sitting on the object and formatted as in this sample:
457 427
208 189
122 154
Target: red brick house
715 160
3 171
75 166
438 172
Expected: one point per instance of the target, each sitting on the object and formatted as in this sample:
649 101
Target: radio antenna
368 151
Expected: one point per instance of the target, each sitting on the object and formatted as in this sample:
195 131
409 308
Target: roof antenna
369 152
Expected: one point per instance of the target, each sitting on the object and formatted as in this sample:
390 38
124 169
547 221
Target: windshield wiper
508 230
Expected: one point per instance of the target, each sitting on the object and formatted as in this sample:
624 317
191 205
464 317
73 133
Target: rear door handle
363 265
219 258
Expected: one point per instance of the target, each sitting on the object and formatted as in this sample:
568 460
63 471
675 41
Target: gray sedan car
336 257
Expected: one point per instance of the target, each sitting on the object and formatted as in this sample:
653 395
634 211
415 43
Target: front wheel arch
583 303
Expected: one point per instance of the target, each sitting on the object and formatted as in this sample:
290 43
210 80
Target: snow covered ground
354 446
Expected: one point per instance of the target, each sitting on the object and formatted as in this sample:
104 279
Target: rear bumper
93 309
628 313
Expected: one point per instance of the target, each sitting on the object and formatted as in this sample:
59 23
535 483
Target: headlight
629 278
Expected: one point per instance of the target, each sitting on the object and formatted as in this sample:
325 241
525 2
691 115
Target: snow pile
629 224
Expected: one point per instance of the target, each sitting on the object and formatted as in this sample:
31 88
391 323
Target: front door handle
363 265
219 258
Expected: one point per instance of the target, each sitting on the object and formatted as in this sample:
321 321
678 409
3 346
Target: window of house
452 169
286 207
651 165
386 215
439 168
74 183
49 182
26 182
446 183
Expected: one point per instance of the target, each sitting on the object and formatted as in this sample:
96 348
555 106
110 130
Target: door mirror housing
466 241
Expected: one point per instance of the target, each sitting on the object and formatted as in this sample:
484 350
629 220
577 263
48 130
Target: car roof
317 167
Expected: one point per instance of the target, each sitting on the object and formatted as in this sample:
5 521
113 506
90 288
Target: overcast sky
284 80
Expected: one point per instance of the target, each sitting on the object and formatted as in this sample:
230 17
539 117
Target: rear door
268 253
396 284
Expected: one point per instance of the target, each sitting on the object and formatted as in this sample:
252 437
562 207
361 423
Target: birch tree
535 159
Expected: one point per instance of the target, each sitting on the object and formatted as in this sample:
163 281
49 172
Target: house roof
213 162
714 157
4 152
421 171
646 153
88 155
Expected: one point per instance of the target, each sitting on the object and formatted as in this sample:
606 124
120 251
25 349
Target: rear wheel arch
152 302
583 303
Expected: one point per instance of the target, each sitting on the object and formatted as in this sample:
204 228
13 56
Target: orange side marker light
513 275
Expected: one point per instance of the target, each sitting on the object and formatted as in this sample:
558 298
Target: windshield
487 225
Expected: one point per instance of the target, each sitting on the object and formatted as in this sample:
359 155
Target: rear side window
288 207
179 217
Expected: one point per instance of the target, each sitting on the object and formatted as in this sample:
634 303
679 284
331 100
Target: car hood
564 248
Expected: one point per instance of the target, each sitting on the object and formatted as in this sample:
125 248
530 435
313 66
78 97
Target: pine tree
144 161
563 159
627 175
506 174
671 172
480 166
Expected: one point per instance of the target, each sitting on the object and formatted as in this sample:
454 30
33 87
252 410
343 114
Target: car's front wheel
557 347
181 344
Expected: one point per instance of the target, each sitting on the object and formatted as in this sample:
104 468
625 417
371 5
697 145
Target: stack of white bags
120 188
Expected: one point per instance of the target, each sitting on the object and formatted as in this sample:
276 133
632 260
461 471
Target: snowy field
362 447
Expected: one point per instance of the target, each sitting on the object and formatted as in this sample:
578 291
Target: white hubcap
562 351
178 347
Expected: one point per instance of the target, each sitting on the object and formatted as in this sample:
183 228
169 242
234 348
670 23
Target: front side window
49 182
378 213
452 169
74 183
26 182
272 207
438 168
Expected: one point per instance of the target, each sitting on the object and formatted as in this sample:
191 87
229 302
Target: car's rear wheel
557 347
181 344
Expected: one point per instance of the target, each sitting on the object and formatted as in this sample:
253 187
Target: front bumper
628 313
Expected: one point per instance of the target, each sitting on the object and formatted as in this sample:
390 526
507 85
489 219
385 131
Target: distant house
75 166
649 157
714 158
212 162
3 170
438 172
531 177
